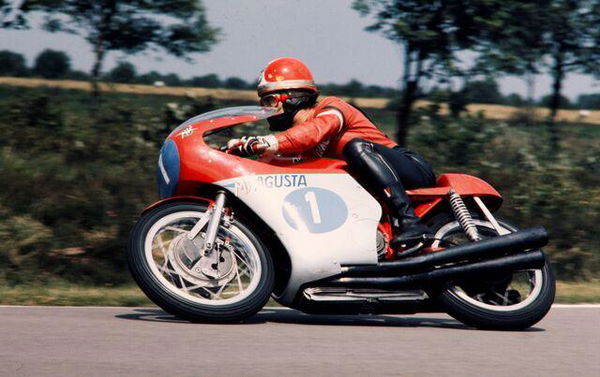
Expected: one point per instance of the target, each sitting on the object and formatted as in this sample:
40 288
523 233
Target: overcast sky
326 34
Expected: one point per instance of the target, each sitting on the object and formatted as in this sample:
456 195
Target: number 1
311 198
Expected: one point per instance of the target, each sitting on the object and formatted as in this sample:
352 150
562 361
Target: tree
589 101
484 91
52 64
235 83
515 43
150 77
177 27
514 100
560 35
124 72
429 32
172 79
573 44
206 81
12 64
563 103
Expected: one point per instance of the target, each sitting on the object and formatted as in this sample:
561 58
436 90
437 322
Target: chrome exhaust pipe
487 249
524 261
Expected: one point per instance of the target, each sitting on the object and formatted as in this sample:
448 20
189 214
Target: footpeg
405 249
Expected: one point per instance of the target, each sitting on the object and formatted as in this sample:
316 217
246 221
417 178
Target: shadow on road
283 315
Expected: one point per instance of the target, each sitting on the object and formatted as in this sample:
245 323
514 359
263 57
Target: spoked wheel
501 301
231 283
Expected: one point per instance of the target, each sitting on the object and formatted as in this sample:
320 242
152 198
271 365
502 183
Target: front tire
174 273
503 302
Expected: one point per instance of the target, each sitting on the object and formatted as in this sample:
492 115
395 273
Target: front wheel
230 284
512 301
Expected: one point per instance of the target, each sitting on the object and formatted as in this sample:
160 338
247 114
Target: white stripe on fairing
162 170
336 113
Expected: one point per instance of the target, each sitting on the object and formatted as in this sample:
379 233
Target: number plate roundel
314 210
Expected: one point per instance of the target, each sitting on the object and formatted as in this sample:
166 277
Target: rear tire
493 304
189 294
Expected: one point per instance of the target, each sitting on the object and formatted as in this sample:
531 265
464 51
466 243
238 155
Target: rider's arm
307 135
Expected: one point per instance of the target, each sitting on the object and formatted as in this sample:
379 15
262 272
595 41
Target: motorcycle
231 232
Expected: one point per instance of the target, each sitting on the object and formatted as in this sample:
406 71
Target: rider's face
274 100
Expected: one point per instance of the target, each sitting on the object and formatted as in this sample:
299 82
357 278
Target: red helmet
285 73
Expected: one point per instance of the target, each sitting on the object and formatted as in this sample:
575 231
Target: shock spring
463 216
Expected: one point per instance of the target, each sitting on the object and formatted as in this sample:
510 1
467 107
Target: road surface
87 341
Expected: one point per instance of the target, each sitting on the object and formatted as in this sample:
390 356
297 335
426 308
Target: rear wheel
501 301
230 284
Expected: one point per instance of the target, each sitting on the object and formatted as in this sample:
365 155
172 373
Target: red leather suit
325 134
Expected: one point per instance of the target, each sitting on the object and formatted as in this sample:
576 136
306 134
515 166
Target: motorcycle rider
330 127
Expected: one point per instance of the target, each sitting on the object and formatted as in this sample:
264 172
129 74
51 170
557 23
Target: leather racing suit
340 130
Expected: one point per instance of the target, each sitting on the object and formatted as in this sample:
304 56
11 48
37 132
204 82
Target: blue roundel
167 172
314 210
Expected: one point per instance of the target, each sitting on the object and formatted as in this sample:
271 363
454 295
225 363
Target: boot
372 167
411 230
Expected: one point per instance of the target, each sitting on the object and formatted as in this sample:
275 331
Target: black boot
377 172
411 230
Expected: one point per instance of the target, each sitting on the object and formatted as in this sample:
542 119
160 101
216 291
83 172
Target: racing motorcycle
231 232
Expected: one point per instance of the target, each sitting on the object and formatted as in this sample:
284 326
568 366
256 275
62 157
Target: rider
330 127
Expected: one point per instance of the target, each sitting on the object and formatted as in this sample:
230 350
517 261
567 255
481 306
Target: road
67 341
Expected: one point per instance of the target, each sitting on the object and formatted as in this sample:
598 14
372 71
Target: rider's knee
355 147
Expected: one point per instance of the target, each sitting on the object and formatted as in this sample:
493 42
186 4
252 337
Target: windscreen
230 112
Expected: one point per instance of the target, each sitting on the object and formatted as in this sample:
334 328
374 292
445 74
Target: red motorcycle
231 232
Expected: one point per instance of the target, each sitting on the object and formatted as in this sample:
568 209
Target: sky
326 34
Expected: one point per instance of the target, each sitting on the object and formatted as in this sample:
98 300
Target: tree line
53 64
526 38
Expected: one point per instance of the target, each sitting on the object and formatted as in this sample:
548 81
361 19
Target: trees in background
206 81
52 64
556 36
124 72
429 33
12 64
509 36
175 27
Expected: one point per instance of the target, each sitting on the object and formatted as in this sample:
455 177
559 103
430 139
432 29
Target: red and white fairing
320 213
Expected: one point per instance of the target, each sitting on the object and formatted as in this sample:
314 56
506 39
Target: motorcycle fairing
323 220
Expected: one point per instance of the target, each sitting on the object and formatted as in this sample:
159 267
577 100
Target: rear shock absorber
463 216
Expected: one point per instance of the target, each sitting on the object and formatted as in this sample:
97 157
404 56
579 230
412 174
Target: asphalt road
66 341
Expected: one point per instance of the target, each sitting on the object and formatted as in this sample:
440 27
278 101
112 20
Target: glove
252 145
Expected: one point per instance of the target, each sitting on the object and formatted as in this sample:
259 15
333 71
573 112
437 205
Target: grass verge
567 293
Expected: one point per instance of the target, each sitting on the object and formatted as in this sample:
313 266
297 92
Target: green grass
578 292
567 293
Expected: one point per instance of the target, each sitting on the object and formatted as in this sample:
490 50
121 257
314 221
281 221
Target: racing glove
249 146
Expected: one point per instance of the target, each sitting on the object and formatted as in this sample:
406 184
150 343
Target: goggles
272 100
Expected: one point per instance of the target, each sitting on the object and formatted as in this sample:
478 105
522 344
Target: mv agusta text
231 232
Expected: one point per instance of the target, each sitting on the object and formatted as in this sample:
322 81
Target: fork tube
215 220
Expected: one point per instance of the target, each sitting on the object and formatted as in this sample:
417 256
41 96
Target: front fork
213 217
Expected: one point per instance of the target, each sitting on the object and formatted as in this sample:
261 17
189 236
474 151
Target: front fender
173 199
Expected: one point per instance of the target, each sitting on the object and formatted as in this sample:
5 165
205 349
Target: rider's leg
389 170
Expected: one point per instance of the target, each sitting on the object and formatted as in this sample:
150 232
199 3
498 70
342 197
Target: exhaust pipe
491 248
524 261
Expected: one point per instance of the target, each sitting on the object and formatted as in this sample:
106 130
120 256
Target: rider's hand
245 147
251 146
